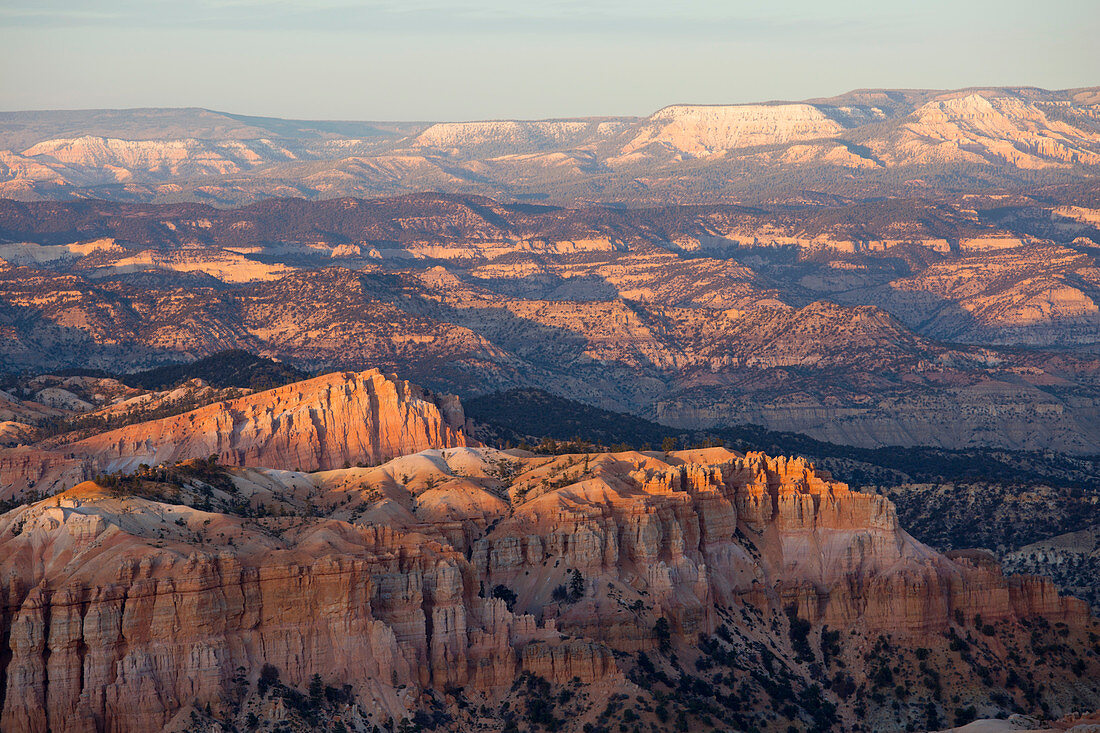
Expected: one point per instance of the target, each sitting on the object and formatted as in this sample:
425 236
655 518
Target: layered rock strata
339 419
119 610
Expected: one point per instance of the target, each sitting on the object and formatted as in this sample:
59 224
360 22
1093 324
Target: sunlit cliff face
898 142
463 567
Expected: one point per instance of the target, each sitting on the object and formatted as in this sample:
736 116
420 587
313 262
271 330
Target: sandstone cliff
703 130
899 140
458 570
331 421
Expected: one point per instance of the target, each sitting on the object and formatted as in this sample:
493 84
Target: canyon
354 426
900 322
434 586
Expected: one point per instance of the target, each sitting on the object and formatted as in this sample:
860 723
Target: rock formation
696 317
458 569
899 140
703 130
335 420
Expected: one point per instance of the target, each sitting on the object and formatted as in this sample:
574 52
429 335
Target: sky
486 59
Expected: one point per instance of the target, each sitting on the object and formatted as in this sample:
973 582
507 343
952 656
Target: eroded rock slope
335 420
451 583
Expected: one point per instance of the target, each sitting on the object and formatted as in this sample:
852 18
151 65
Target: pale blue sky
475 59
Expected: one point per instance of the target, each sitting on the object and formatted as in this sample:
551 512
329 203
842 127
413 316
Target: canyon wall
331 421
119 610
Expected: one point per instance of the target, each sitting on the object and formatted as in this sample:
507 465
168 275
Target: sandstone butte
123 607
338 419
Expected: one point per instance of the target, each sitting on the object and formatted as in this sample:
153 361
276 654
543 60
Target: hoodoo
467 569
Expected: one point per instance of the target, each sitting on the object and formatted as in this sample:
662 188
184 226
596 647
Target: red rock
113 620
322 423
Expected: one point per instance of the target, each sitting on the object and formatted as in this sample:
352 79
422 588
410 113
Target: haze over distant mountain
864 143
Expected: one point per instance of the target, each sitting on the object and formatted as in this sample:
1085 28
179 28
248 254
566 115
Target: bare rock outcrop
331 421
121 609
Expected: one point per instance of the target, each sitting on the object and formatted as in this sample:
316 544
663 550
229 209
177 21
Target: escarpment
122 607
331 421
